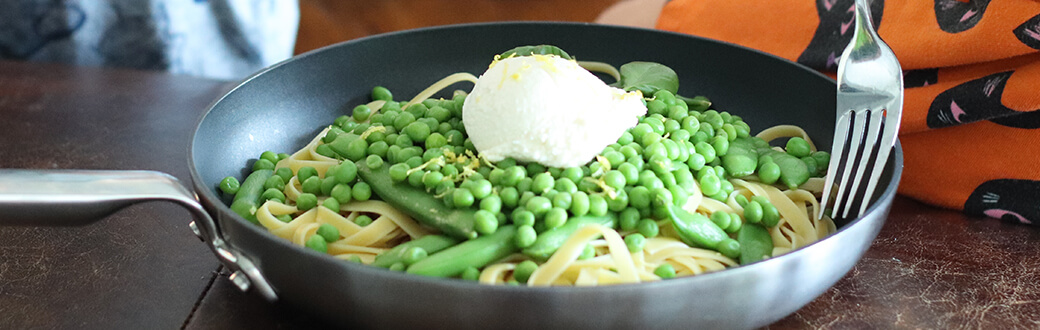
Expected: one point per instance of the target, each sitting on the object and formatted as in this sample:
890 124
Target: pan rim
202 189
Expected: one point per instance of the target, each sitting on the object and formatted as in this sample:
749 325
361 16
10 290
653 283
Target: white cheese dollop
546 109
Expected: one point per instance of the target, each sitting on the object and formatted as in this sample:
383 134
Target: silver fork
869 104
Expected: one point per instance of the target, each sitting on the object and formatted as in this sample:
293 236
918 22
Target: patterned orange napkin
971 119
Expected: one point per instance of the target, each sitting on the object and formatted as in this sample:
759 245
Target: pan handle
80 197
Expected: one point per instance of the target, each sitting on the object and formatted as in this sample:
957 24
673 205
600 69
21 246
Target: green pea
822 158
462 198
639 197
729 247
770 215
810 164
339 121
346 173
404 119
769 172
706 150
397 267
798 147
525 236
656 106
720 144
363 220
513 175
735 224
556 217
481 188
262 164
284 218
647 228
510 197
635 242
597 205
431 179
399 172
628 219
625 138
580 203
665 271
485 222
327 184
331 204
471 274
417 131
328 232
710 185
435 140
491 203
615 179
439 113
741 200
587 253
521 216
317 243
230 185
564 184
573 173
306 201
563 200
414 254
381 93
542 183
341 193
374 161
312 185
525 184
361 191
523 270
538 205
273 194
450 171
721 219
284 172
618 202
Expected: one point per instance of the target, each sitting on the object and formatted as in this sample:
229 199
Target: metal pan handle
80 197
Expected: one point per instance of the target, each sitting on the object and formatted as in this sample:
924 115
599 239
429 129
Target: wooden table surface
143 268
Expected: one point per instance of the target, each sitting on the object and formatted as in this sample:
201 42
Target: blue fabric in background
222 39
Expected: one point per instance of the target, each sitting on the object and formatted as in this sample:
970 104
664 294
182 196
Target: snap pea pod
741 159
793 171
431 243
697 230
247 200
549 241
755 243
477 253
419 204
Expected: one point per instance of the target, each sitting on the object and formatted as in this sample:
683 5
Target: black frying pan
284 106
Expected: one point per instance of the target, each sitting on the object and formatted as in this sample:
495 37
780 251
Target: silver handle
80 197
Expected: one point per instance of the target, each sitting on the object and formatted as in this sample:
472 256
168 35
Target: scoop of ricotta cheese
546 109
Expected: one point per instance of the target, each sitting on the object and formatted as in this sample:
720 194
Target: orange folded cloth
971 116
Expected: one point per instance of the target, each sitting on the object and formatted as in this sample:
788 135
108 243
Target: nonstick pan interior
281 108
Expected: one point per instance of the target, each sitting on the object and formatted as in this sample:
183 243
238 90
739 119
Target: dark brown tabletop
143 268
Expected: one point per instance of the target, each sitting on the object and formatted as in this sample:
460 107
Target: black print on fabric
920 77
52 21
979 99
837 23
1029 32
955 16
1006 199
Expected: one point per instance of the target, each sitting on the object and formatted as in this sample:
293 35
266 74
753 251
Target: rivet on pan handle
80 197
